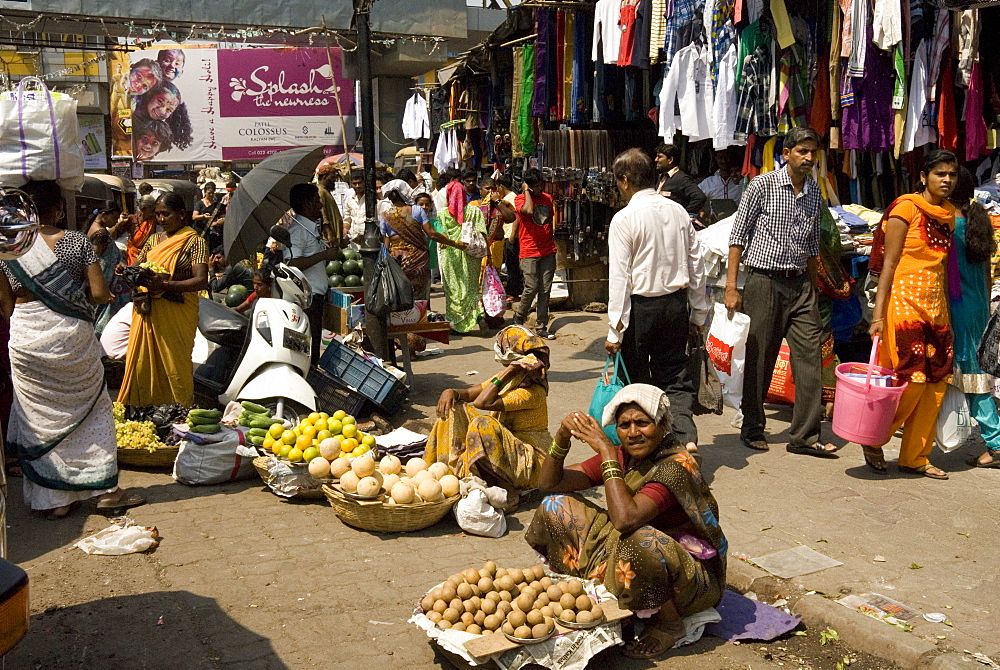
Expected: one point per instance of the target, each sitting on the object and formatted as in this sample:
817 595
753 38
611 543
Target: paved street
244 580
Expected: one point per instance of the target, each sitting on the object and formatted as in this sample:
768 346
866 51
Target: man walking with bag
776 236
657 284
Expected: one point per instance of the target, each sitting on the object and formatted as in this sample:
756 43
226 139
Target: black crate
334 394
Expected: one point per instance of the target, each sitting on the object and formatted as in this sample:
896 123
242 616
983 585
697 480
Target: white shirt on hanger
653 250
887 21
689 83
920 128
416 121
724 104
607 32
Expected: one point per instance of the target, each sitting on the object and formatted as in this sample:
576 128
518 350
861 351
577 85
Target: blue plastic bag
606 389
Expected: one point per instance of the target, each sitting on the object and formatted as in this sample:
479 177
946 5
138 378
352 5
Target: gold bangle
557 452
877 321
610 464
613 475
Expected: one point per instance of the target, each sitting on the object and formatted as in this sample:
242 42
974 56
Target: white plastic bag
475 515
474 240
218 462
118 540
954 424
727 349
39 136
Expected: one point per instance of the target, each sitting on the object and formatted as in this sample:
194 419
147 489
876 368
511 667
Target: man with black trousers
309 253
776 237
656 286
676 184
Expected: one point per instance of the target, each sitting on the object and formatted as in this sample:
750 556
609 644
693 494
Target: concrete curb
856 630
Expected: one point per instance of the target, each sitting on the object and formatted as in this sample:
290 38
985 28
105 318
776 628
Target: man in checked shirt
776 237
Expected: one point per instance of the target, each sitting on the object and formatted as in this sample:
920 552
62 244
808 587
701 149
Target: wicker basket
163 457
260 464
375 516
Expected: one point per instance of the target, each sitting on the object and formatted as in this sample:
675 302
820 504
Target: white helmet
292 285
18 223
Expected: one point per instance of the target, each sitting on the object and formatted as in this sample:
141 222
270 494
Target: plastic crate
333 394
370 380
339 299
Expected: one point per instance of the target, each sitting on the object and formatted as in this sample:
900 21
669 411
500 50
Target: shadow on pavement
162 629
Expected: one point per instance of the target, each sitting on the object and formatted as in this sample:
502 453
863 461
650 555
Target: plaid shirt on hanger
684 11
755 113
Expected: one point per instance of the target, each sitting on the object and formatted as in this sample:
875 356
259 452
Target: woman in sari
658 547
110 257
407 230
498 430
973 248
910 254
158 368
459 271
61 424
496 212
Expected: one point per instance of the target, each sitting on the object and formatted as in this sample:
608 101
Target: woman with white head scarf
406 236
658 546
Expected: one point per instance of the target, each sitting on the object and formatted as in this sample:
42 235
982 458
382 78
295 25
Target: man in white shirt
657 284
727 182
309 253
354 208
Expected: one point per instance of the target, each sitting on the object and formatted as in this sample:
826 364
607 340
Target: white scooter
264 359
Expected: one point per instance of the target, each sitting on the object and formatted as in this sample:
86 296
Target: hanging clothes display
688 87
868 123
416 119
920 127
607 34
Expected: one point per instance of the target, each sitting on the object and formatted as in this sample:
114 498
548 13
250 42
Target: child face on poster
172 63
162 103
144 75
147 145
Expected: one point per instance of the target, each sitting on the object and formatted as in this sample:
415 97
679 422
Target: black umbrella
261 199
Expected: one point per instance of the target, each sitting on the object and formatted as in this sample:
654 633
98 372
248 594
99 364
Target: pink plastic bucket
862 412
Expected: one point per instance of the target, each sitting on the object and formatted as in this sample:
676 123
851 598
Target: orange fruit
276 430
295 455
313 418
350 430
324 416
350 444
288 437
320 425
303 442
309 431
368 440
334 426
339 415
323 434
348 419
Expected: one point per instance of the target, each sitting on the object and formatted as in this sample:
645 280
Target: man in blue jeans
533 228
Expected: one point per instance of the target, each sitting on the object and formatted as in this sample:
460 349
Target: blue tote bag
606 389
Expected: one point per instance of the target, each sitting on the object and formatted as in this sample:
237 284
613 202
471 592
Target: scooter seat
220 324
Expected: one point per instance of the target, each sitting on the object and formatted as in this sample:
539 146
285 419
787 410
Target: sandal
124 501
53 515
750 443
664 642
994 463
818 450
925 470
875 459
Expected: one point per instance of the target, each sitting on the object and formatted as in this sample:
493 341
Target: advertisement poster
121 109
197 105
95 146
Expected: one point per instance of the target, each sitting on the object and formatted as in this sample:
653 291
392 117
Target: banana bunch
137 435
204 421
154 267
258 419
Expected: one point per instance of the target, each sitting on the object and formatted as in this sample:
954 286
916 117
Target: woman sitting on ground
658 547
498 430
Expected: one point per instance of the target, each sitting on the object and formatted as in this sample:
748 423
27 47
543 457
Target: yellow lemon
285 449
357 452
313 418
323 434
297 430
288 437
320 425
268 443
303 442
310 453
348 420
295 455
324 416
334 426
368 439
276 430
350 430
339 415
277 447
309 431
349 444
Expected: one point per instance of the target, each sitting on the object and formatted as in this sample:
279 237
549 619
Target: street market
346 335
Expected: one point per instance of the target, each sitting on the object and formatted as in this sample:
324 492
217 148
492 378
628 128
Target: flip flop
126 501
818 450
749 443
875 459
665 642
923 470
995 463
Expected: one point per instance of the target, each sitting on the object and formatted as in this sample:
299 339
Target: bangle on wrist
608 476
557 452
496 382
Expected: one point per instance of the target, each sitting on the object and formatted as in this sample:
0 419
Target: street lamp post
376 326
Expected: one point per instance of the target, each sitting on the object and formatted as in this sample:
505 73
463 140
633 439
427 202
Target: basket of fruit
139 443
389 498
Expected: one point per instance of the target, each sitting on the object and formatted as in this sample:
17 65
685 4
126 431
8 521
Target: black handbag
390 290
708 389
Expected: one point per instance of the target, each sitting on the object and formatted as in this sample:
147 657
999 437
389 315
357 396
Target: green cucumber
257 432
205 413
256 441
193 420
206 428
255 408
265 423
243 421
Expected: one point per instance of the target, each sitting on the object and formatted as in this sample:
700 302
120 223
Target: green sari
648 567
460 272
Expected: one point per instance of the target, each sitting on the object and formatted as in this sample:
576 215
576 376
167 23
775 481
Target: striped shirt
777 228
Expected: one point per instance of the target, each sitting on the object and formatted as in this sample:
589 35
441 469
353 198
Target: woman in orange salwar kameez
911 315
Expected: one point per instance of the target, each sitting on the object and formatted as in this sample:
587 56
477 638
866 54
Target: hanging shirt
724 104
755 113
446 153
859 38
684 11
942 37
687 85
607 32
868 123
888 22
627 21
968 45
719 28
657 29
416 121
920 127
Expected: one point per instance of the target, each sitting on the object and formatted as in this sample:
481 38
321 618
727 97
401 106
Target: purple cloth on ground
747 619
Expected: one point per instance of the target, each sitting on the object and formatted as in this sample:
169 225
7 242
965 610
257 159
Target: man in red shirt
533 228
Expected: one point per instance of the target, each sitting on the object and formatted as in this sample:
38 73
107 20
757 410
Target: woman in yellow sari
158 368
498 430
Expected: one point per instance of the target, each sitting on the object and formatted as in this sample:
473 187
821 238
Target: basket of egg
523 605
391 498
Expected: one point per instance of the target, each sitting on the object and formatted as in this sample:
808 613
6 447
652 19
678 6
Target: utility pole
375 326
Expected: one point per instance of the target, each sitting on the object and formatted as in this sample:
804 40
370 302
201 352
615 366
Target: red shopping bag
782 388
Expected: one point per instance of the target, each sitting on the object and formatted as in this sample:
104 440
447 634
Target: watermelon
335 281
334 268
352 280
349 255
352 267
236 295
